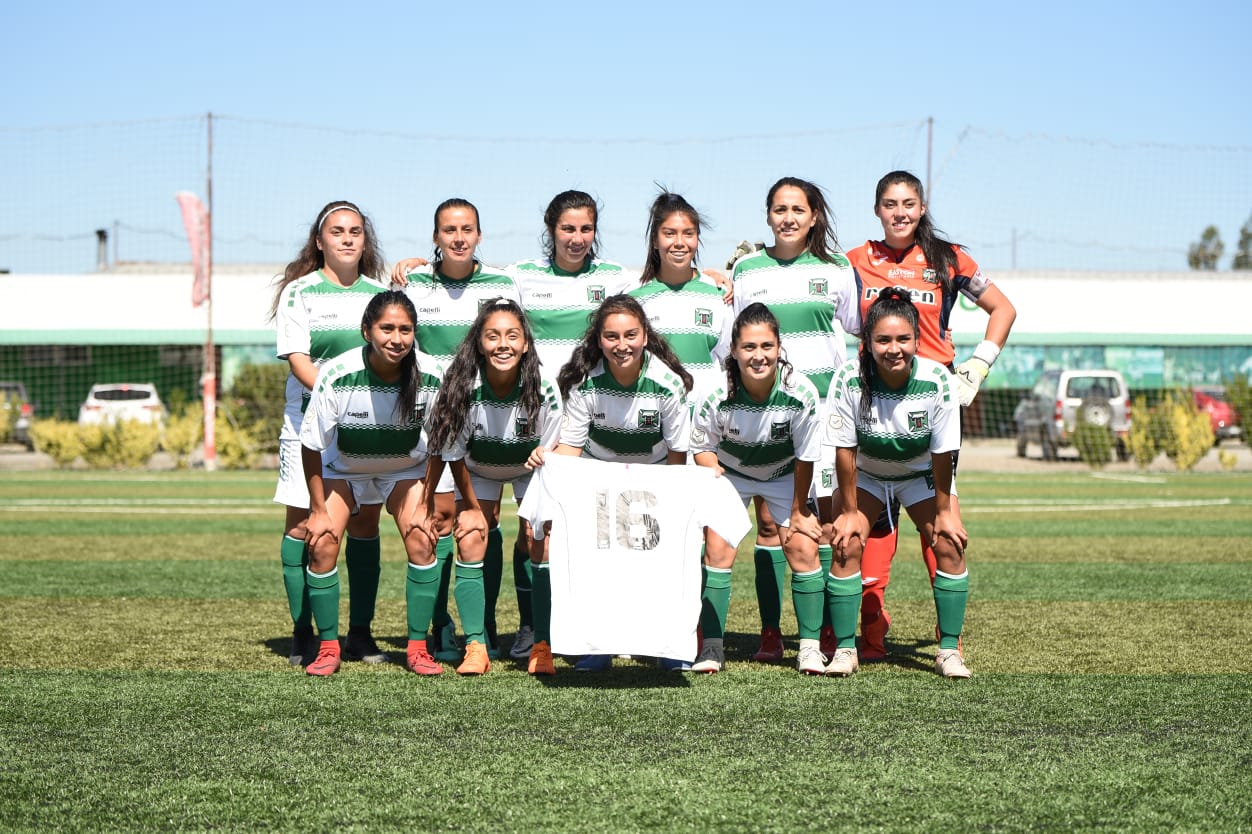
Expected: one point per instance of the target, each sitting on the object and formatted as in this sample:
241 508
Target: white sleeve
550 416
848 302
321 419
722 349
945 431
721 508
536 505
705 433
676 421
806 428
293 324
575 420
841 414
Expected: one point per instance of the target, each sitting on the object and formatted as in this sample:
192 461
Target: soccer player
914 255
625 400
318 302
811 288
363 446
684 308
895 422
492 412
448 294
761 428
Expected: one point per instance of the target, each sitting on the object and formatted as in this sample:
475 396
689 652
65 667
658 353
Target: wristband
988 351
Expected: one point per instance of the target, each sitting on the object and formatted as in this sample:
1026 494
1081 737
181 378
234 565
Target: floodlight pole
208 378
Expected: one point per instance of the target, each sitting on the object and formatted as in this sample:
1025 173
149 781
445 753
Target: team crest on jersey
818 286
419 414
698 435
521 425
930 276
779 431
704 318
649 418
595 293
918 421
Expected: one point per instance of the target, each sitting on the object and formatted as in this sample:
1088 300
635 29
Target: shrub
1142 441
10 406
1239 395
1093 442
129 443
1192 431
237 447
183 433
256 400
59 439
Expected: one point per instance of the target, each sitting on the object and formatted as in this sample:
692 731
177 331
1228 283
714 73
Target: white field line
147 506
1132 479
1071 506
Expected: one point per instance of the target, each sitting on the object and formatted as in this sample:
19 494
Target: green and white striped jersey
559 304
761 440
352 418
497 437
320 319
815 302
906 425
696 322
447 307
638 424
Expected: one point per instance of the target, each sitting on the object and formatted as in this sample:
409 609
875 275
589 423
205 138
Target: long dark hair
892 301
450 203
410 374
820 241
588 353
938 250
666 204
453 403
312 258
558 205
754 313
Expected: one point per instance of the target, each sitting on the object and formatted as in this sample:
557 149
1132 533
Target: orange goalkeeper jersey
879 266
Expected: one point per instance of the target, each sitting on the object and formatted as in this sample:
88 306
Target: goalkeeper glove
971 372
744 248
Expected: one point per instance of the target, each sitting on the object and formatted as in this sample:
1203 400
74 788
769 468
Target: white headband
335 207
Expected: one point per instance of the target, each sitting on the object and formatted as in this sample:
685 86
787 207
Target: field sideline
144 683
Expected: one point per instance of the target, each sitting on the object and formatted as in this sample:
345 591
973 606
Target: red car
1224 418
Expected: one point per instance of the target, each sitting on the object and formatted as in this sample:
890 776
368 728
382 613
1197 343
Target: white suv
107 403
1049 413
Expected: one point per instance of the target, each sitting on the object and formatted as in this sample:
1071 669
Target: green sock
419 596
324 601
843 607
715 602
294 562
493 570
770 564
362 557
469 600
951 594
826 556
808 595
541 601
523 577
443 558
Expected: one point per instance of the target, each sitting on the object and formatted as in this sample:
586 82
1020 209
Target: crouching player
894 421
362 445
761 428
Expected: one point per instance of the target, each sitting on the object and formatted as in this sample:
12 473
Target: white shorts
375 488
487 489
777 494
910 492
292 489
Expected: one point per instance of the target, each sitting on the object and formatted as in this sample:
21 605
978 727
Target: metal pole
930 144
209 376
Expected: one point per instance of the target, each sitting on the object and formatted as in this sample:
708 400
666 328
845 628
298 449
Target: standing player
363 446
761 428
895 422
317 304
914 255
492 412
625 400
811 288
448 294
681 306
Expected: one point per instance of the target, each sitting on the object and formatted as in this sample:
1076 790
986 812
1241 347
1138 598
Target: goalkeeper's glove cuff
971 372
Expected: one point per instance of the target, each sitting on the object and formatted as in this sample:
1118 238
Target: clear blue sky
1171 74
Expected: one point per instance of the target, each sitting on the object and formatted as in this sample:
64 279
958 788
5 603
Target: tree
1243 253
1205 253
